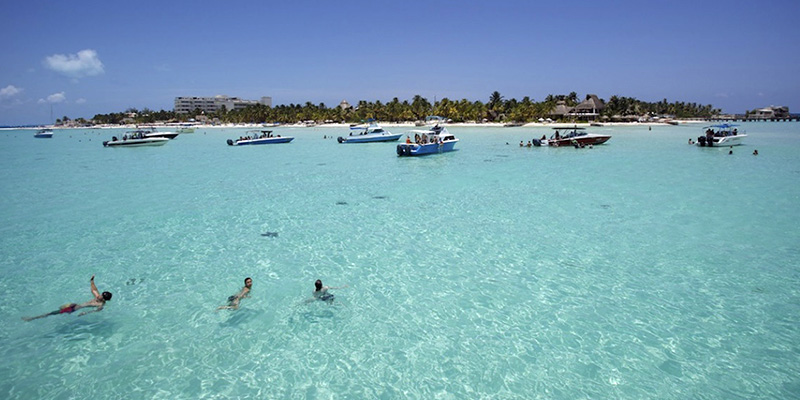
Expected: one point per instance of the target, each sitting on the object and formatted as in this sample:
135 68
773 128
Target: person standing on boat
233 301
98 302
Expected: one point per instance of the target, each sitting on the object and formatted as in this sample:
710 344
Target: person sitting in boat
735 131
408 139
558 136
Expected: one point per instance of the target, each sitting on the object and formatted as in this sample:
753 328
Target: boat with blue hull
434 140
369 134
45 133
259 137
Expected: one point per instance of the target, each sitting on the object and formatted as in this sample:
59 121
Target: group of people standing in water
99 301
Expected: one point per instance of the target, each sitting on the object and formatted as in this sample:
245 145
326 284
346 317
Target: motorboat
436 139
45 133
721 135
185 128
571 136
260 137
151 132
369 133
137 140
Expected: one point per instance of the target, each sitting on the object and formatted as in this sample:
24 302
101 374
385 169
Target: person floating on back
99 302
321 292
233 301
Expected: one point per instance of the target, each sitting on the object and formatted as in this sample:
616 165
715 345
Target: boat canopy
721 126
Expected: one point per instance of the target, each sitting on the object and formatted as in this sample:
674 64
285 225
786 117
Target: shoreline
390 125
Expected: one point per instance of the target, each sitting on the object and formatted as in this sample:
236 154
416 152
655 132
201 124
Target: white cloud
80 101
54 98
9 91
85 63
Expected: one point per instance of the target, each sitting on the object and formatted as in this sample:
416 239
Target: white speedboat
721 135
135 141
369 133
571 136
260 137
436 139
151 132
43 133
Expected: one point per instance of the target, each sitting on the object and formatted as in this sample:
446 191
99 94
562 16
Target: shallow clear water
637 269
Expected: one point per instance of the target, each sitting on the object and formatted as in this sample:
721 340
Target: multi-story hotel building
185 105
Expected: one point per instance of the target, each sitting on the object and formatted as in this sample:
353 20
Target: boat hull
724 141
168 135
271 140
370 138
43 135
580 141
413 149
155 141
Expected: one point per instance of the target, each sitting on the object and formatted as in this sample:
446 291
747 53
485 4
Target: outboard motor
105 143
537 142
230 142
702 141
340 139
399 150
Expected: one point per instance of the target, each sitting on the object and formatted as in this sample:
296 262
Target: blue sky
89 57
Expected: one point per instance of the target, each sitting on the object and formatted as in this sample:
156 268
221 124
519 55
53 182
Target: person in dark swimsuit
233 301
98 302
321 292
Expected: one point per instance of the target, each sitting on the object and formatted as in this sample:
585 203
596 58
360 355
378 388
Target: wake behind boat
574 136
259 137
721 135
435 139
369 133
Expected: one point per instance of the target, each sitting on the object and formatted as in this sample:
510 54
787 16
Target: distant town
221 109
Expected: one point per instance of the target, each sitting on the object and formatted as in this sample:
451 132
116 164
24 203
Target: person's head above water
106 296
248 281
318 285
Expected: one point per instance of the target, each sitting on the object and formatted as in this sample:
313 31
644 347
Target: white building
185 105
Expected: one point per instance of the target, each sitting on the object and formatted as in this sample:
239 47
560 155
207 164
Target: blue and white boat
369 133
43 133
436 139
260 137
721 135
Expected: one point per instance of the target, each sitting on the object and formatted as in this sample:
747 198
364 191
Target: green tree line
496 109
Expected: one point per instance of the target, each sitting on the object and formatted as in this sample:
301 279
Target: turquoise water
643 268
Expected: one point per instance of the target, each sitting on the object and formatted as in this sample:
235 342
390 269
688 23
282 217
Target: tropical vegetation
496 109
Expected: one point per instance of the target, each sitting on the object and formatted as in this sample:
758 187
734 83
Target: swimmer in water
321 292
233 301
98 302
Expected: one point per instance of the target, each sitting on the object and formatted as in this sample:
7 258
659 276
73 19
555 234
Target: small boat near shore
436 139
45 133
368 134
259 137
721 135
571 136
